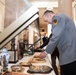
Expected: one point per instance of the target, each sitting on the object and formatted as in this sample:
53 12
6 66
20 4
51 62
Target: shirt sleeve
58 26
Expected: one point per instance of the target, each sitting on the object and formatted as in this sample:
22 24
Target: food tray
39 69
14 73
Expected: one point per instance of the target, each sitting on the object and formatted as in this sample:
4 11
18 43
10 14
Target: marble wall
13 9
2 12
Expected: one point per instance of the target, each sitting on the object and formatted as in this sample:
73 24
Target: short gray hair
48 11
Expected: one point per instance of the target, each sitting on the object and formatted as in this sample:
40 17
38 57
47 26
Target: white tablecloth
26 58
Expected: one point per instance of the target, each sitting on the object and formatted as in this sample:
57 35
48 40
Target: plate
36 56
37 60
39 69
26 64
16 68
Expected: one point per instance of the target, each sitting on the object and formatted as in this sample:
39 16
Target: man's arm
57 32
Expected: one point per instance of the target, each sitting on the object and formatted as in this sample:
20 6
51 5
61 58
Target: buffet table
27 58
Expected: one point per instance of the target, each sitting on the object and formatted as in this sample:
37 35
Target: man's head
47 16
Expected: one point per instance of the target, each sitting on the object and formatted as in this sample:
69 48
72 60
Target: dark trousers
53 58
68 69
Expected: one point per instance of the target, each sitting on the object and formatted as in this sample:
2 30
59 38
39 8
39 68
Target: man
64 37
44 38
53 55
21 48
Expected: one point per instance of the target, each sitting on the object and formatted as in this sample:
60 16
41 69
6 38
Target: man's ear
49 15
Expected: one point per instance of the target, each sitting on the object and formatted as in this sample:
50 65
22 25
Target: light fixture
49 8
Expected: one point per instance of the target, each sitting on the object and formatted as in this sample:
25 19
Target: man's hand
42 55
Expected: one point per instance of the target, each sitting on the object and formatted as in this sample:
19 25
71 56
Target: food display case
17 26
30 18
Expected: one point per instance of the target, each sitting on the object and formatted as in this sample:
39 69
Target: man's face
47 18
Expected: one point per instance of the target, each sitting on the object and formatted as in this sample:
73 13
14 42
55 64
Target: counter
26 58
